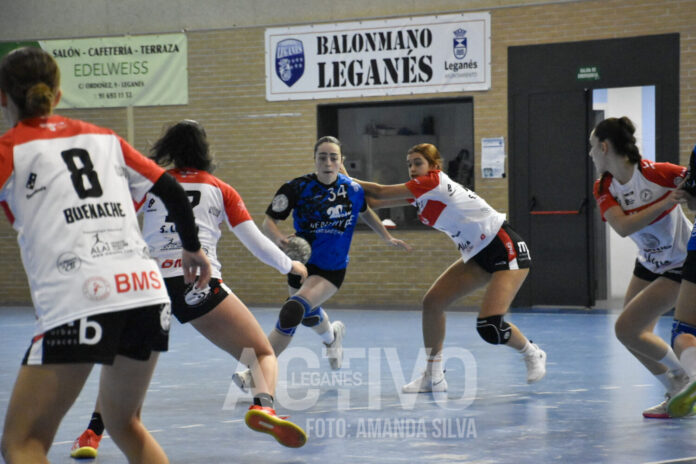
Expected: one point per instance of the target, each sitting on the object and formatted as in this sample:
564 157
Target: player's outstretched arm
372 220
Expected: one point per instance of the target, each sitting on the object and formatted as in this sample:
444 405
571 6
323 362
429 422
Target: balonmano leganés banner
428 54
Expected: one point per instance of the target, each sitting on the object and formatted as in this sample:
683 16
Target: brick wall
258 149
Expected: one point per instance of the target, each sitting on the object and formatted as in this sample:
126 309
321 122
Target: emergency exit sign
588 73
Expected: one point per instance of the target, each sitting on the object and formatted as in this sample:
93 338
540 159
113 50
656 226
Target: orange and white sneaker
86 445
264 419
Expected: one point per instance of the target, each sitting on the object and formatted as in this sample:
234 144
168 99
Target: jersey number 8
78 175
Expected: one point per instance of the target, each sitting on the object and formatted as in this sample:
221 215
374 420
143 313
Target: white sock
671 361
328 336
665 380
528 349
688 361
435 366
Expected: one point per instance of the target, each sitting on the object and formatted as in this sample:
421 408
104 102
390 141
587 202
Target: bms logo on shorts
289 61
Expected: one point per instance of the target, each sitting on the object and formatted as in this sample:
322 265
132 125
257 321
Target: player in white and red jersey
216 312
66 186
638 199
492 255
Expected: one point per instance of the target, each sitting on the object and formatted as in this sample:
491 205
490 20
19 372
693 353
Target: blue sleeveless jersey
324 215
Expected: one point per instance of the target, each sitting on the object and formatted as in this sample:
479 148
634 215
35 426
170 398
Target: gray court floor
586 410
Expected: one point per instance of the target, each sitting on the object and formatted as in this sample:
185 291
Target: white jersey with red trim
662 243
448 206
66 187
213 202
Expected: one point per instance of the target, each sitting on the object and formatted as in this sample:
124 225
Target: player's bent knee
679 328
494 330
291 314
314 317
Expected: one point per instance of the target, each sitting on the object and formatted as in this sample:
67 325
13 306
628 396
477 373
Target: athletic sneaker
659 411
536 364
682 404
426 383
264 419
243 380
334 350
86 445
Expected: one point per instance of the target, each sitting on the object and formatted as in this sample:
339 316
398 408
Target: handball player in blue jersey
325 207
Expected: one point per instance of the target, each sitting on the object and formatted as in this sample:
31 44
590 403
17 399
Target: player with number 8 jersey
67 187
86 249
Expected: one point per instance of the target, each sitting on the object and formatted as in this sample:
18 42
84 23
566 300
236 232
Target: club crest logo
459 44
289 61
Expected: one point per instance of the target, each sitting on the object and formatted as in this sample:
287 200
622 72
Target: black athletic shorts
507 251
133 333
689 268
199 303
644 273
335 277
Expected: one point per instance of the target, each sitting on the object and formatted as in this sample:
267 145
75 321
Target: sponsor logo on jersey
171 245
466 246
103 248
42 189
213 211
31 181
121 171
137 281
99 247
650 241
337 211
279 203
68 263
96 288
170 263
93 211
646 195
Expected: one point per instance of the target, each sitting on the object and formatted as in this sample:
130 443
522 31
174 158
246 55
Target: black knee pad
291 314
494 330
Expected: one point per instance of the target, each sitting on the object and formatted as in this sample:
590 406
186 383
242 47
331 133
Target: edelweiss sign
449 53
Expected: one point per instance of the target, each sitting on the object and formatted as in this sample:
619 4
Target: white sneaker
426 383
334 350
243 380
679 381
536 364
658 411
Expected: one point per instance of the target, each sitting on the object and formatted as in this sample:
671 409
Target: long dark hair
31 77
186 145
619 131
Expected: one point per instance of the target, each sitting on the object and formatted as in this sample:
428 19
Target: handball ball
298 249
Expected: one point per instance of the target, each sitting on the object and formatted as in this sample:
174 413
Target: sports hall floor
586 410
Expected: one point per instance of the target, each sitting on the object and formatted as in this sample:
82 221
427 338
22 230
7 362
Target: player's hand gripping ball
298 249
